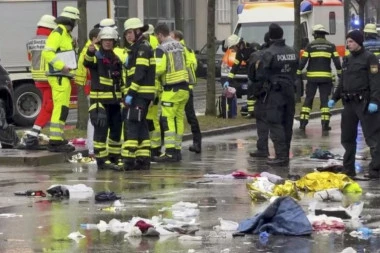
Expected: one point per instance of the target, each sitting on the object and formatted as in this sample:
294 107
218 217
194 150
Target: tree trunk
210 96
361 4
178 15
297 38
347 16
82 38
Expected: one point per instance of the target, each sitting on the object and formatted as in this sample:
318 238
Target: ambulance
19 19
254 18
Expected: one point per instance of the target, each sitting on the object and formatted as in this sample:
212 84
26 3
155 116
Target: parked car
202 59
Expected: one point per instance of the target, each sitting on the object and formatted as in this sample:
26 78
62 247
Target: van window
332 22
254 32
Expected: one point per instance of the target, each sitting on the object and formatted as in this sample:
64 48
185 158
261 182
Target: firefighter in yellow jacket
192 63
59 76
140 91
171 65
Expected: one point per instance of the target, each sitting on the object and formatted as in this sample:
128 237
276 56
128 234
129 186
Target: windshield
218 48
254 32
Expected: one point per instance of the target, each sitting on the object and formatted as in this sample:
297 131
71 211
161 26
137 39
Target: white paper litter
76 236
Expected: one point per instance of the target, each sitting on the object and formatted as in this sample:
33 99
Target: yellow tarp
318 181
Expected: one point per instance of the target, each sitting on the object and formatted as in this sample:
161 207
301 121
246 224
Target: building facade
194 16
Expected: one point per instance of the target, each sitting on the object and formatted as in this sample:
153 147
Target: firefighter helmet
232 40
319 29
47 21
108 33
70 12
107 22
370 28
150 29
135 23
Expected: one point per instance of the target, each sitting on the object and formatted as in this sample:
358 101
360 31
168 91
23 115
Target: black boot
106 165
303 124
196 147
129 164
155 152
325 125
179 155
170 155
259 153
281 161
142 164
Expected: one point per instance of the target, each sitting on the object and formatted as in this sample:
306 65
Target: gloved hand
372 107
331 103
101 120
128 100
226 84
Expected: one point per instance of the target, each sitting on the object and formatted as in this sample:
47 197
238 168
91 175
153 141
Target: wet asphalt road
42 225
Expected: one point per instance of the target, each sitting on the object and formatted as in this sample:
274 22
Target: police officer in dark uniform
276 71
359 90
258 94
243 51
318 55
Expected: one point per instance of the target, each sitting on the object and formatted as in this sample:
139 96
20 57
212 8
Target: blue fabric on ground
283 217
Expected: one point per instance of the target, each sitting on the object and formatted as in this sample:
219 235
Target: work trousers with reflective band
261 127
153 119
353 113
136 133
250 98
324 92
107 138
280 110
173 114
61 91
192 119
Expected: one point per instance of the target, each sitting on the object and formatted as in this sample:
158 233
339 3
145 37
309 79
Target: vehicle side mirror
304 42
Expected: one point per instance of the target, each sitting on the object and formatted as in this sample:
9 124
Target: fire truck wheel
28 102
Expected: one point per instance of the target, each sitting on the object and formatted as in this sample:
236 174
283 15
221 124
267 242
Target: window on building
332 22
223 11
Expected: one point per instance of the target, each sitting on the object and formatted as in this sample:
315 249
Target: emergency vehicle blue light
306 6
240 8
356 22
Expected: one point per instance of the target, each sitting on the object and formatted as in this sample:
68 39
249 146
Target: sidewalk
17 157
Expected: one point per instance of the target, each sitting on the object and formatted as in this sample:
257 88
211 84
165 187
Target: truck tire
28 103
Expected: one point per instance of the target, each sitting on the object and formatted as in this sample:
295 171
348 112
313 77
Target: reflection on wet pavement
45 224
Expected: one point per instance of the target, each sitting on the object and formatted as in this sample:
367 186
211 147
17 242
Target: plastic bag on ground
333 194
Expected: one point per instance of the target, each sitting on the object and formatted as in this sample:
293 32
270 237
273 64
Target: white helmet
108 22
319 29
232 40
47 21
150 29
135 23
108 33
70 12
370 28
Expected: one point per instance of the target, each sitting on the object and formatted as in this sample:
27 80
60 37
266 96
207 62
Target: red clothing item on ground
47 104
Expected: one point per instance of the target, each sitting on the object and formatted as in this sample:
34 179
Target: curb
12 157
249 126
